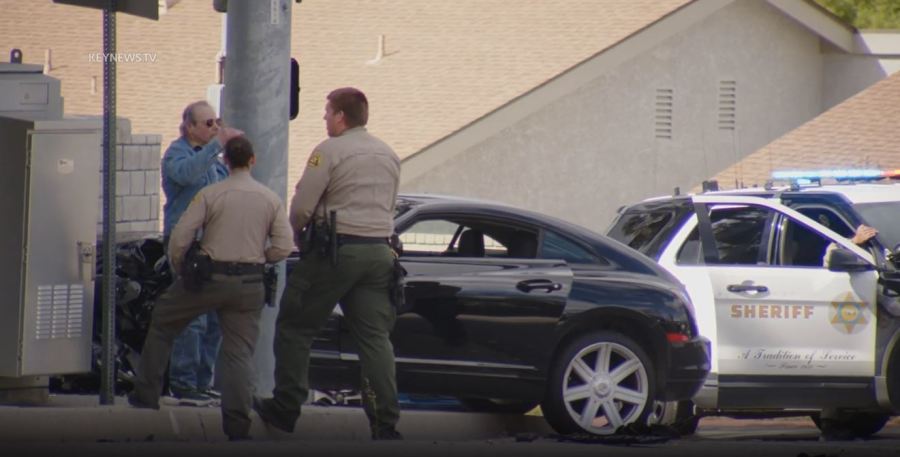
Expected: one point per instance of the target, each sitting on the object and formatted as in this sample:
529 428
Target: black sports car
507 309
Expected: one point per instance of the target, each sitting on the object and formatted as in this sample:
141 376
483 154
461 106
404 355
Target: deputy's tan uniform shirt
354 174
238 215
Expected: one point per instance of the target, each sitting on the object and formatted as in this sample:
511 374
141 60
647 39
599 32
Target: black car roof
489 208
604 244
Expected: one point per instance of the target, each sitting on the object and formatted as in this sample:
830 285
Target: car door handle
531 284
747 288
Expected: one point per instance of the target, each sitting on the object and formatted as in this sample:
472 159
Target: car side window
555 246
738 233
800 246
451 237
829 219
689 253
428 237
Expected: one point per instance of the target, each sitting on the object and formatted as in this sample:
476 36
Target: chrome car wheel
606 387
600 382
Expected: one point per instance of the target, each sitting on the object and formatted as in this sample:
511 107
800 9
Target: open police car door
779 316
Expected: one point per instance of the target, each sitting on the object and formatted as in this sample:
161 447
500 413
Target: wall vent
663 119
727 105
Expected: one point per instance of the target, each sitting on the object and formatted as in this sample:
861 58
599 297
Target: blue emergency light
840 174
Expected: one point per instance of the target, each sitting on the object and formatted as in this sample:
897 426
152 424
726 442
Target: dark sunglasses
217 121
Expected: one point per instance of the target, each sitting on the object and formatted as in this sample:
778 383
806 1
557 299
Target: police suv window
689 253
828 218
643 230
799 246
883 216
737 232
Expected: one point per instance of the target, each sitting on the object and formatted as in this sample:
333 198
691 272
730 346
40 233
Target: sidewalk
80 418
74 418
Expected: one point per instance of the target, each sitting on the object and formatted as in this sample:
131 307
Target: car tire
847 426
581 395
495 405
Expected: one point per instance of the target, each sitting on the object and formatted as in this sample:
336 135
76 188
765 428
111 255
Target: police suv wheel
680 416
599 382
848 426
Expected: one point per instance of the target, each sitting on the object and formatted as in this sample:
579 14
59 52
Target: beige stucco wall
845 74
586 154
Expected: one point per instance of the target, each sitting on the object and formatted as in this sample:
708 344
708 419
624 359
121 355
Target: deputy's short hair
238 152
353 103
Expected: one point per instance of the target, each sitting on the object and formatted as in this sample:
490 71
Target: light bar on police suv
839 174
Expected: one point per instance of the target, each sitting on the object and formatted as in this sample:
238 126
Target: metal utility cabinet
50 186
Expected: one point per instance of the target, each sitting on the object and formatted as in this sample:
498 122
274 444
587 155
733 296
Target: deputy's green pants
238 300
359 282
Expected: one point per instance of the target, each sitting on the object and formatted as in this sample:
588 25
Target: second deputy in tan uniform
357 176
244 226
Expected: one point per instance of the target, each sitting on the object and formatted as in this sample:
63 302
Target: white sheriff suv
789 335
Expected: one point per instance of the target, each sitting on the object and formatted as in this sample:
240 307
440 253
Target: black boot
263 407
386 434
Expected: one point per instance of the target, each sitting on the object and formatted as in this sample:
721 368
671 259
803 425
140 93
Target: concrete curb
82 419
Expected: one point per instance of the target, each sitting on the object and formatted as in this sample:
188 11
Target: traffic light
295 88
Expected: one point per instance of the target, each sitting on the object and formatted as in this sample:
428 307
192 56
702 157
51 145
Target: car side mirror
841 259
894 255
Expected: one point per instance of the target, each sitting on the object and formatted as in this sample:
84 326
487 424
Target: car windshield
883 216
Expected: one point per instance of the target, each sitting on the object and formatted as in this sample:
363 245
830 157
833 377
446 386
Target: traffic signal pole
257 100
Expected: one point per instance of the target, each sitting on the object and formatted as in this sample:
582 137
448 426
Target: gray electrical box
26 92
50 186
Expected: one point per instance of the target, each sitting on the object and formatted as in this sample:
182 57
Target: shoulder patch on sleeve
314 160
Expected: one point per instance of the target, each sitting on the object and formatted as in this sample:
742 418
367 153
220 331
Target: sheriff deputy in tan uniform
244 226
356 175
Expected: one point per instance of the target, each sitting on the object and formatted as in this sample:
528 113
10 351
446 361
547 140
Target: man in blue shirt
191 163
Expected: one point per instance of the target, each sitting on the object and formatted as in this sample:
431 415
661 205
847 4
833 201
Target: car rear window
556 246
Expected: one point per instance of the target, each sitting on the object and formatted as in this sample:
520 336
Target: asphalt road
787 437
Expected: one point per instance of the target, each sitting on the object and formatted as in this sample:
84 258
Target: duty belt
354 239
237 268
